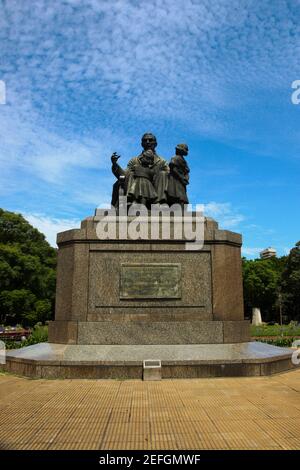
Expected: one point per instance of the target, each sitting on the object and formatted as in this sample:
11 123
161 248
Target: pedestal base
49 360
149 331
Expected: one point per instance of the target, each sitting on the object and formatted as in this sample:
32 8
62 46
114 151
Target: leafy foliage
292 329
27 272
266 281
282 342
262 279
291 283
39 334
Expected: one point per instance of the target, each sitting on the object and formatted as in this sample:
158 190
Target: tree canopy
27 272
290 285
269 281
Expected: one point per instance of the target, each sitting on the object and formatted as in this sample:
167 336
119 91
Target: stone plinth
121 301
147 331
106 291
48 360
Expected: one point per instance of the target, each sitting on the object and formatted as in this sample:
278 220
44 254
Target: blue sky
85 78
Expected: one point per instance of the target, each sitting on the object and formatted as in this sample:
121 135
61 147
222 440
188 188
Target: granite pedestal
50 360
121 301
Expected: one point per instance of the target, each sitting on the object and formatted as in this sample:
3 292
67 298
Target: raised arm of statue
116 168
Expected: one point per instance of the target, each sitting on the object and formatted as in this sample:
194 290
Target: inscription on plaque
150 281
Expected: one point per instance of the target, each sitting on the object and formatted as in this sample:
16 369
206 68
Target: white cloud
253 252
224 213
27 145
111 67
88 77
51 226
180 60
286 250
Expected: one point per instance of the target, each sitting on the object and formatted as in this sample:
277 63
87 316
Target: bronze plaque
150 281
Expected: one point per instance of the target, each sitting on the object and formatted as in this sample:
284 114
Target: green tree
18 305
43 310
262 280
291 284
27 272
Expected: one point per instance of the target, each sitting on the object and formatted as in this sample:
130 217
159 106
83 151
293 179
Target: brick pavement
221 413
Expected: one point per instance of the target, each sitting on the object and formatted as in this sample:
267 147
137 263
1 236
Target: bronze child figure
178 176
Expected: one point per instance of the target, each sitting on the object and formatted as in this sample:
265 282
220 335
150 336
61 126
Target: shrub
39 335
282 342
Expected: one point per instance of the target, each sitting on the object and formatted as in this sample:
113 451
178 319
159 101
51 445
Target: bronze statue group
149 179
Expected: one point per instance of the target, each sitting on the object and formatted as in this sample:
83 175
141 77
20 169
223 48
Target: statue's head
149 141
182 149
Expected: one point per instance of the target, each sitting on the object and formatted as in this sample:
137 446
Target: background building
267 253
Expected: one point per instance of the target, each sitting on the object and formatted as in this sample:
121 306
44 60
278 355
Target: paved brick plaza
233 413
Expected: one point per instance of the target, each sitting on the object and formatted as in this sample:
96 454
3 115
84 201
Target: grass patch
293 329
282 342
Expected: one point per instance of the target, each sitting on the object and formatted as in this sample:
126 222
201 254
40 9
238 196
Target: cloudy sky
85 78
